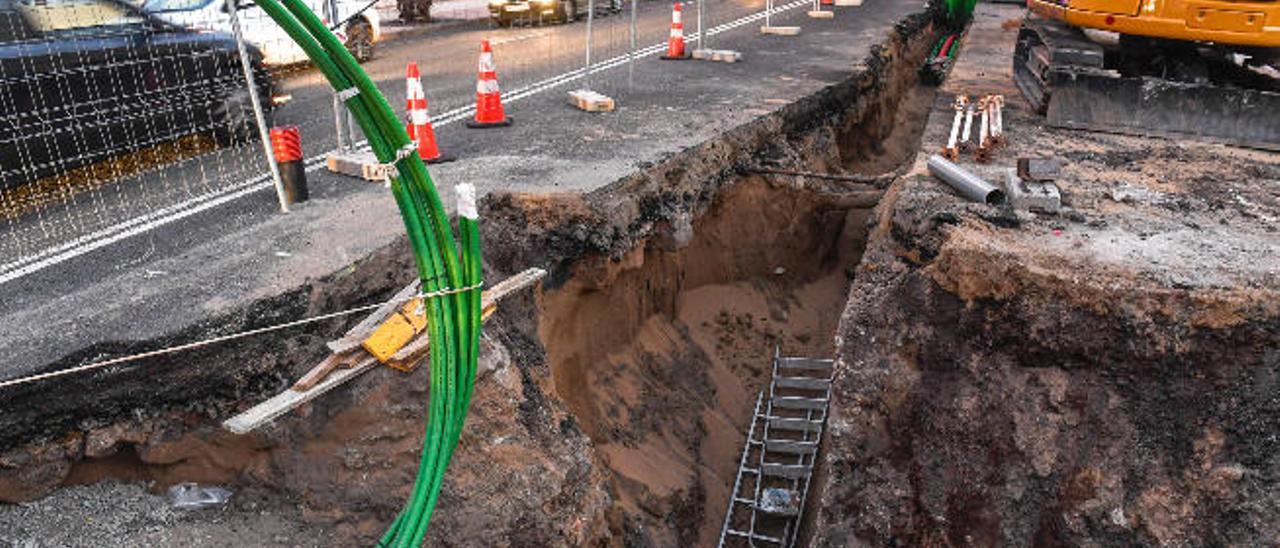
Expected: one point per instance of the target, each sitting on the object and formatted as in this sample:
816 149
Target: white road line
138 225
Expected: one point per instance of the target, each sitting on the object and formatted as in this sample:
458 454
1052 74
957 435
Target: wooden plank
291 399
355 336
780 31
591 101
412 353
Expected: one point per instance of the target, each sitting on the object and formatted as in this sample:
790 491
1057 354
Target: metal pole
702 33
591 16
339 113
768 10
631 56
260 118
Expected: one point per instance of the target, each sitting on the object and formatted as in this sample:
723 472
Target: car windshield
161 6
62 15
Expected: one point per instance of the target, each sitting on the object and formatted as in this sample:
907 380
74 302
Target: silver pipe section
966 183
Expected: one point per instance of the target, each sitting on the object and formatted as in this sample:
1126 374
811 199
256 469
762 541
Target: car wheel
233 119
360 40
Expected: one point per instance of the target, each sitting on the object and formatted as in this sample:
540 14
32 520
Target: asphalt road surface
98 210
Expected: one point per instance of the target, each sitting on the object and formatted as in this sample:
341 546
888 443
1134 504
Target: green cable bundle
959 11
450 272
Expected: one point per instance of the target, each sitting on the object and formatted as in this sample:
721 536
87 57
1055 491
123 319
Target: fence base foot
780 31
591 101
721 55
819 14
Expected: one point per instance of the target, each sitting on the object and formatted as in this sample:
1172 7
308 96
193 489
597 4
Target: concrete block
1038 196
1039 169
780 31
591 101
721 55
356 164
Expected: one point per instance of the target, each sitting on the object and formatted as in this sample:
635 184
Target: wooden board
780 31
408 357
721 55
818 14
356 164
590 101
291 399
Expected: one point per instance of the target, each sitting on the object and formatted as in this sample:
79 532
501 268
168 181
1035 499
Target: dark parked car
84 80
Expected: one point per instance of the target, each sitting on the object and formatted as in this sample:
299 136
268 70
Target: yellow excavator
1204 69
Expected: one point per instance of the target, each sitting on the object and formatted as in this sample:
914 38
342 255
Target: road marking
138 225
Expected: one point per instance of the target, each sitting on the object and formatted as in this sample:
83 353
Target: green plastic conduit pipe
450 268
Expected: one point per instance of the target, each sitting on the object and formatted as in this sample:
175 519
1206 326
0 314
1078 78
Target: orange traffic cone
488 99
675 44
419 125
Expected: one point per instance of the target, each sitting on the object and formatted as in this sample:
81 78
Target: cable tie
389 168
449 291
346 94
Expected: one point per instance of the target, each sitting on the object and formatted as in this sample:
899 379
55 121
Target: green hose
450 272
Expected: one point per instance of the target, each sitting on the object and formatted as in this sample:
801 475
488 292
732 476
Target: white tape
467 201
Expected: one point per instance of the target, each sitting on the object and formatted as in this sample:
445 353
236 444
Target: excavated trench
614 403
660 355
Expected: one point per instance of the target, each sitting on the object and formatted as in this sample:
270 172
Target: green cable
453 319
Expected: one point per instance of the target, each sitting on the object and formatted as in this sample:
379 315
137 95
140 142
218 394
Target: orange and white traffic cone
675 44
489 111
419 125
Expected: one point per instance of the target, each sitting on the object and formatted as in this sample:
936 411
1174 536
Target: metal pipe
967 184
591 16
339 110
702 32
254 100
631 55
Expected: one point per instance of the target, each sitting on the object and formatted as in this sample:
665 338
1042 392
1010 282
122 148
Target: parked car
359 25
532 12
83 80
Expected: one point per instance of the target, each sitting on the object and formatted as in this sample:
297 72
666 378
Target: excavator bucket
1062 74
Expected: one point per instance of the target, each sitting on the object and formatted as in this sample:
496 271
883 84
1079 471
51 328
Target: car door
23 61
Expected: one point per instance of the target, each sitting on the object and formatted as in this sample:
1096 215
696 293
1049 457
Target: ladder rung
798 425
801 382
791 447
754 537
805 363
790 471
796 402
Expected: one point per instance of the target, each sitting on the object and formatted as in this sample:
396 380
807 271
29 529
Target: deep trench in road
638 362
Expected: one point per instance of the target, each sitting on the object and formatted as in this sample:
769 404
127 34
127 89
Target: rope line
220 339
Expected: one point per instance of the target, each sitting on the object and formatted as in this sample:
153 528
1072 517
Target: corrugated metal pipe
967 184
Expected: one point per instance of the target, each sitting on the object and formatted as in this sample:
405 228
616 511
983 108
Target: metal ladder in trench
777 462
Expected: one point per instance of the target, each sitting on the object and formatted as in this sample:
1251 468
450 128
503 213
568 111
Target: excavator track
1064 76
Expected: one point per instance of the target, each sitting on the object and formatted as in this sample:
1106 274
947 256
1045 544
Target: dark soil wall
985 401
